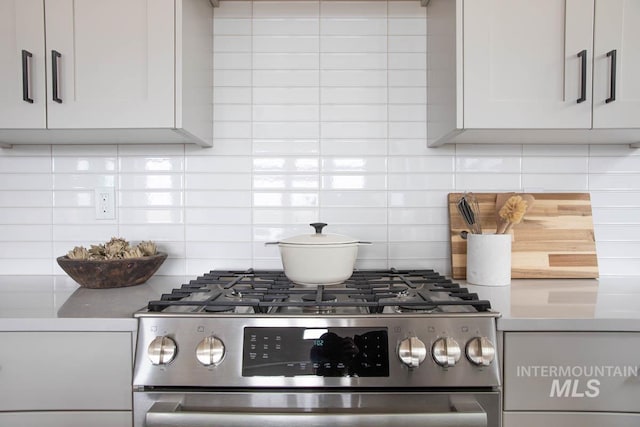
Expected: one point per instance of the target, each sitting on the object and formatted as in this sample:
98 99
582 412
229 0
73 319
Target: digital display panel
325 352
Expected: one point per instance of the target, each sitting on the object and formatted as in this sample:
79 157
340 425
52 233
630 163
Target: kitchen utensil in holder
489 259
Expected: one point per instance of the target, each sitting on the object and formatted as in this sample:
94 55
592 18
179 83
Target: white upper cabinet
117 71
616 47
113 61
22 65
525 71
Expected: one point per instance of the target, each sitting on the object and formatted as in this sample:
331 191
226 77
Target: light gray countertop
58 303
610 303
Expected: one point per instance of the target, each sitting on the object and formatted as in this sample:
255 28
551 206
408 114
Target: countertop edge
79 324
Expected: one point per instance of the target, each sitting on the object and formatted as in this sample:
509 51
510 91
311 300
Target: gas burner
365 292
319 297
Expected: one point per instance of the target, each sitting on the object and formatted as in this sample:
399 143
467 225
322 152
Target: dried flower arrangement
116 248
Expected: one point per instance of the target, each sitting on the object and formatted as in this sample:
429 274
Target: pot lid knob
318 226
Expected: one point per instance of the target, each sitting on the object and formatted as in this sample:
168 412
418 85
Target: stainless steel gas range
385 348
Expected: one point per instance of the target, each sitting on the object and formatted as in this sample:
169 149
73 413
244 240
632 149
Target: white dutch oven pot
318 259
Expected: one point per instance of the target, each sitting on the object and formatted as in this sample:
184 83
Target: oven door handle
463 413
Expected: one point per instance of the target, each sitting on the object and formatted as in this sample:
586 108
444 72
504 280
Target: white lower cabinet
66 378
571 379
65 419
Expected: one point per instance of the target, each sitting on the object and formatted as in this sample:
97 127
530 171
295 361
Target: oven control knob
162 350
446 352
210 351
412 352
480 351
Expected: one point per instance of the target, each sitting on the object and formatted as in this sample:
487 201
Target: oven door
288 408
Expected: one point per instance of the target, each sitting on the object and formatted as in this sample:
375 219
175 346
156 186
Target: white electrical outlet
105 203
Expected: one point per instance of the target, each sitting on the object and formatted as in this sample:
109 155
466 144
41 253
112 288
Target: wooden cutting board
555 239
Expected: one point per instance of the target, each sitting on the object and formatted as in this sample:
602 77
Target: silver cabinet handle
166 414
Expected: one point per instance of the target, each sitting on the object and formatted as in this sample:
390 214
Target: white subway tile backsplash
156 198
354 61
25 199
285 164
208 164
285 9
149 164
281 113
278 216
286 130
354 130
354 147
155 181
555 182
19 215
488 164
577 165
319 115
285 44
285 61
353 95
232 78
231 27
285 95
494 181
628 164
286 26
16 164
354 182
297 146
284 199
234 43
353 26
232 61
407 26
83 181
353 78
217 181
354 164
285 78
223 198
285 182
355 199
353 43
26 181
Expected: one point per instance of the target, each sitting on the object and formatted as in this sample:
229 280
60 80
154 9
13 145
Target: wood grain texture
555 239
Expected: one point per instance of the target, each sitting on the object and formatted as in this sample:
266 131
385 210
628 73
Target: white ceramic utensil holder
489 259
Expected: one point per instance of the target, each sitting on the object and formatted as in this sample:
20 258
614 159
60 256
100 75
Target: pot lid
319 238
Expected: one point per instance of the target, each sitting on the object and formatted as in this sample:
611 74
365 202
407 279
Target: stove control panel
308 351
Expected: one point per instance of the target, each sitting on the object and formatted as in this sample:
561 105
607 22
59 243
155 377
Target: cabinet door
115 65
66 419
21 28
521 64
617 29
65 371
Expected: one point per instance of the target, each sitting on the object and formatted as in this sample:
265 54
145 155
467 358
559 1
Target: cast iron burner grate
269 292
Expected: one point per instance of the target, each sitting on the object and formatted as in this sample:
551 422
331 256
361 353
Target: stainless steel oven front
317 408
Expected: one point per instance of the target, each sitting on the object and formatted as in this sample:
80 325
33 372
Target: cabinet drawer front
65 370
66 419
572 371
564 419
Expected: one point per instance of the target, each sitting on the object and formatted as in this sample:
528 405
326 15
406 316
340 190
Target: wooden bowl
112 273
